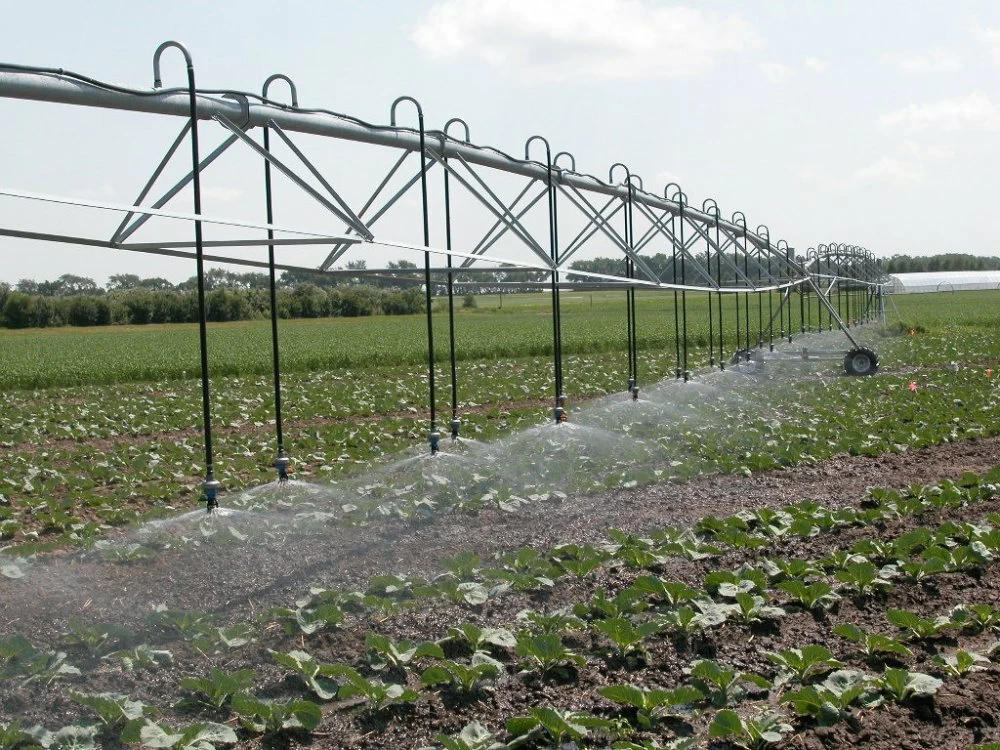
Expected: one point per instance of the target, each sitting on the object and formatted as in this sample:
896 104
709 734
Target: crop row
57 489
660 639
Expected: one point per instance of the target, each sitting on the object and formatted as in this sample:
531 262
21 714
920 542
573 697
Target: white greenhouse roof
945 281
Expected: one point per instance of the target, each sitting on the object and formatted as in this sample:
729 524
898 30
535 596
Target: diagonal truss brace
348 218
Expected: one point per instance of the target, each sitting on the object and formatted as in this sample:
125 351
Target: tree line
942 262
128 299
664 266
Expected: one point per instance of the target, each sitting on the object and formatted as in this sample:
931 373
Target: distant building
944 281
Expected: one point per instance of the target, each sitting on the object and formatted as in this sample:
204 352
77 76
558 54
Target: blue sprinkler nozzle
211 487
281 463
456 425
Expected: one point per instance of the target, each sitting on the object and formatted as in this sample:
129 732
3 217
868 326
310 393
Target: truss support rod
340 249
308 189
123 234
830 309
590 228
783 299
61 87
592 214
351 218
596 220
488 240
503 214
154 177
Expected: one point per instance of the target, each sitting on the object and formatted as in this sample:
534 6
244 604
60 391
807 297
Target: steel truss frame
708 253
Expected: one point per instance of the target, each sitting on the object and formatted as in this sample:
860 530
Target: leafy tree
121 281
18 309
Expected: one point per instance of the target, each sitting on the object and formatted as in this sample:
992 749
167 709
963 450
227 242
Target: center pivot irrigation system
708 256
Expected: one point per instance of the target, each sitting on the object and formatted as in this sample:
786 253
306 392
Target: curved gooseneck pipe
770 296
211 485
455 423
673 268
572 160
559 412
434 437
711 207
281 462
633 376
680 198
740 220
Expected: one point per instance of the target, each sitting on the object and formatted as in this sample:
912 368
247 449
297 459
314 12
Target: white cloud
937 60
583 39
817 65
775 72
974 112
893 171
991 38
933 152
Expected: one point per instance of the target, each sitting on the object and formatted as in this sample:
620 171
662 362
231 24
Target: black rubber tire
861 361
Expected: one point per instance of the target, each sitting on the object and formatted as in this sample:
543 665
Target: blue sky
872 123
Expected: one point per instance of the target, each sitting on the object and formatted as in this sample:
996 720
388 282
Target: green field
85 410
109 433
591 323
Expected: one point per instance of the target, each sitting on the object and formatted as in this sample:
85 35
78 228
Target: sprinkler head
560 414
281 463
635 393
211 487
953 366
456 423
435 440
687 375
677 372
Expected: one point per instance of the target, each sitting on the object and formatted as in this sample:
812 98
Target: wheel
861 362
